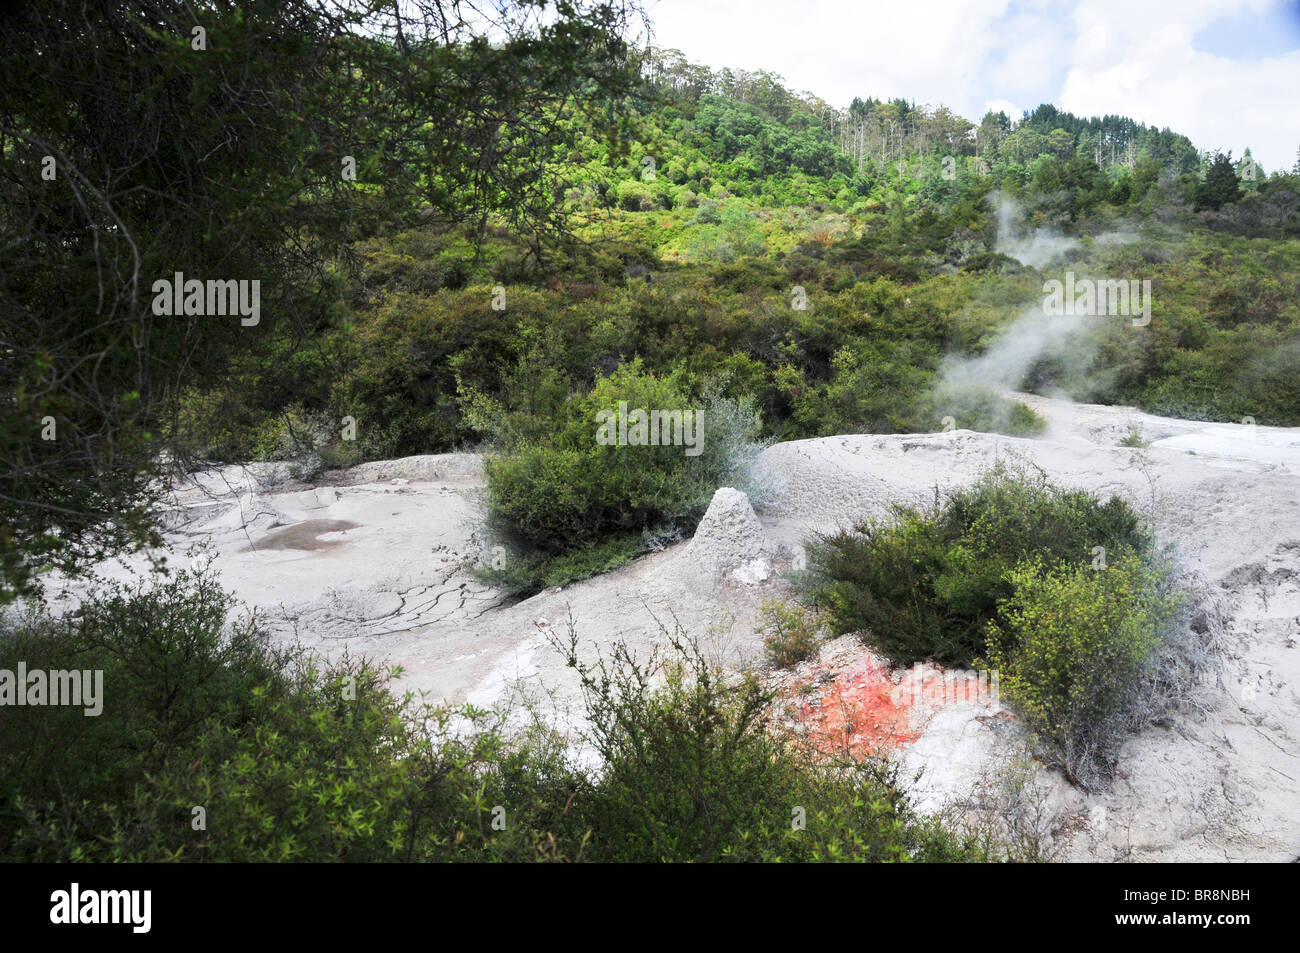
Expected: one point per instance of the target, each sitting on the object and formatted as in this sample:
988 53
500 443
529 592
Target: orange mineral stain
866 708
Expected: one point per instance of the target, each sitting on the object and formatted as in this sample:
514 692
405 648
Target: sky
1225 73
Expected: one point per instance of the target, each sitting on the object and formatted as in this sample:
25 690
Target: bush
872 389
305 439
633 196
406 357
169 670
694 772
708 213
1080 661
926 585
791 633
1090 627
287 760
565 490
522 573
983 409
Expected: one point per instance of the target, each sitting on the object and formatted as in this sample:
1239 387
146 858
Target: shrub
407 356
1078 651
925 585
521 572
289 760
692 771
790 633
983 409
633 196
708 213
565 490
170 667
305 439
873 388
1002 575
1133 439
710 243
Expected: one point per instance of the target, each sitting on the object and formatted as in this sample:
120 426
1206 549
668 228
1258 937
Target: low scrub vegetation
926 583
567 502
1087 657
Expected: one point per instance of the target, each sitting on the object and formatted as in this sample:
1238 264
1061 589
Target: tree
1061 143
1220 185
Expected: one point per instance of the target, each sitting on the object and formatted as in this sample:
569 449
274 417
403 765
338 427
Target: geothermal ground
375 561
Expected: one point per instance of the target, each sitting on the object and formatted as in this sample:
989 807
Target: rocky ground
376 560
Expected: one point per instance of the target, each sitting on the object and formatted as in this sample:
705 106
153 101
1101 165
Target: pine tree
1220 185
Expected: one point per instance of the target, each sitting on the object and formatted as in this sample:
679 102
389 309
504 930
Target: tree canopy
246 142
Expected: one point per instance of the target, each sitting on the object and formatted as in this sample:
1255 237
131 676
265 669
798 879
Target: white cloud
1144 66
1002 106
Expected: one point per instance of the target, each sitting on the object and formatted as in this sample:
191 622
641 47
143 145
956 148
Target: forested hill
722 193
750 121
873 132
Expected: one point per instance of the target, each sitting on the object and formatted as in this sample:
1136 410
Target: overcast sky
1226 73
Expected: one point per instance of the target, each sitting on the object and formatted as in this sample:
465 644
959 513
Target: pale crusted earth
375 560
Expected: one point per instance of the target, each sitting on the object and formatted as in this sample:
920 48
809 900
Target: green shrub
170 668
288 760
709 243
693 771
925 585
522 573
1089 626
1075 647
983 409
1133 438
567 490
408 354
873 388
790 633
